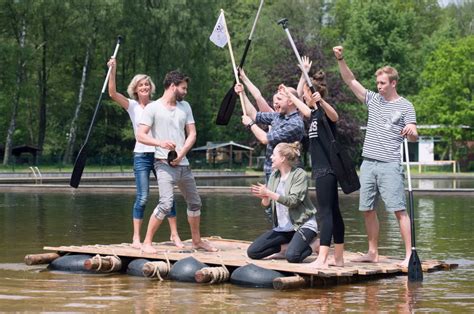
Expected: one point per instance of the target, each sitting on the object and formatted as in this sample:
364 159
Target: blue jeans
142 166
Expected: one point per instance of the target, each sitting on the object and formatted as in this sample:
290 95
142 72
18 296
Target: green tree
446 97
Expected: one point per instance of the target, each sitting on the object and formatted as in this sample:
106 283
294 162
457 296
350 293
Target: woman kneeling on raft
294 222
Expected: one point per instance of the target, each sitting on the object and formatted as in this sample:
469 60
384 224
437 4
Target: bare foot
176 240
404 263
338 263
367 258
315 246
136 244
318 264
205 246
148 248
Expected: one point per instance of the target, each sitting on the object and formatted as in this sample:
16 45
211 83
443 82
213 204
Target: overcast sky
444 3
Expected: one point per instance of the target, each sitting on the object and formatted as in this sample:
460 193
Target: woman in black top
331 223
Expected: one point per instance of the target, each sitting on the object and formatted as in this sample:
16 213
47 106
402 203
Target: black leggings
330 218
270 243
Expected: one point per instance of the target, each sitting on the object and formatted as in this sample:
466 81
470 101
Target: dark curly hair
319 82
174 77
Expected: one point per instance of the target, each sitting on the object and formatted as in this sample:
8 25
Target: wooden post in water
43 258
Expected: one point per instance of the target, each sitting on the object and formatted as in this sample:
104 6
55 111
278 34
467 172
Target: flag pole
236 74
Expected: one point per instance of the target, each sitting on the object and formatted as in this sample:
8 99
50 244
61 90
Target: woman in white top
140 90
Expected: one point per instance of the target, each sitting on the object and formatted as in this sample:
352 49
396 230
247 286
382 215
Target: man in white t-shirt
172 126
391 118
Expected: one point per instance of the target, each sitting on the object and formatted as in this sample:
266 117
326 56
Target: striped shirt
386 121
284 128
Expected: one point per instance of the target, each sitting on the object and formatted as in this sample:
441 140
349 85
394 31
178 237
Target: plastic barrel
252 275
185 269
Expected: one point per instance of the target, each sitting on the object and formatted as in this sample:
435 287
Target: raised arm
331 113
262 104
249 108
117 97
347 75
306 67
260 134
302 107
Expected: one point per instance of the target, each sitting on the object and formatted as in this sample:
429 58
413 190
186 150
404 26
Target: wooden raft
232 253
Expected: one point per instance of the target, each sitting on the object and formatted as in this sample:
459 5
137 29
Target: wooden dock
232 253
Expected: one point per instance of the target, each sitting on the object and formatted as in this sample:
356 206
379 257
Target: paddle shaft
236 74
242 61
415 271
249 40
284 24
97 106
228 102
80 162
410 194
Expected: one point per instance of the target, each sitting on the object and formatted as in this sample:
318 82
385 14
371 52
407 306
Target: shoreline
87 189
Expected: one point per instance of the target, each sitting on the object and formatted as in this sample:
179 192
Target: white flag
218 36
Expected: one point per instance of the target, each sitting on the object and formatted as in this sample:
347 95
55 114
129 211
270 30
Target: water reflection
418 183
30 221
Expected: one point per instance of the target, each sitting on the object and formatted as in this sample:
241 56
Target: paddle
284 23
415 273
80 162
228 103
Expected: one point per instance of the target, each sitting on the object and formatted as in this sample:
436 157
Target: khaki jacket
296 197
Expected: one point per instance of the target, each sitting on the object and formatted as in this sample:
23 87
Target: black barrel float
185 269
252 275
135 267
71 263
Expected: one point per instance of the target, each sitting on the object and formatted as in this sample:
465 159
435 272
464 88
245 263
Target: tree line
53 56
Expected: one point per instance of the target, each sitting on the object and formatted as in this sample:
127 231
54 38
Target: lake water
29 221
418 183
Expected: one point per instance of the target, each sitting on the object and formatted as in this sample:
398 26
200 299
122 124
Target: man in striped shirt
391 118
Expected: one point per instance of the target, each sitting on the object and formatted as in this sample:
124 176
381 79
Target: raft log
43 258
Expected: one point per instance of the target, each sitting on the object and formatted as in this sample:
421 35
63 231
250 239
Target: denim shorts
384 179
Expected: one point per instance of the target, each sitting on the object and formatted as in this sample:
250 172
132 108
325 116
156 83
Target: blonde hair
133 85
291 151
293 91
390 71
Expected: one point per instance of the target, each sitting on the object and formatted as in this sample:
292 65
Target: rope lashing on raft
113 260
216 274
159 269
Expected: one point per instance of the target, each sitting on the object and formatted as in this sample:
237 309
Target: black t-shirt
319 143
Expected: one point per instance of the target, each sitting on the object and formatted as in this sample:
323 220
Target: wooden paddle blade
79 165
415 272
227 107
